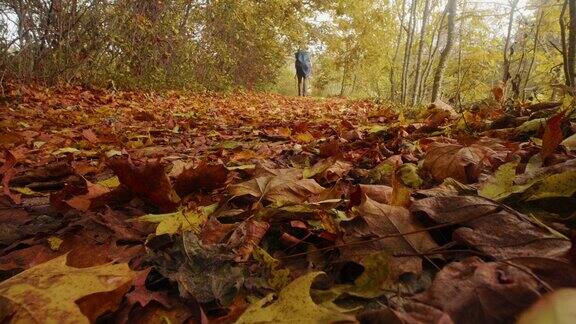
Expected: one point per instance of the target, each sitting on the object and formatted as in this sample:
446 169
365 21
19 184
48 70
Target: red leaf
203 177
8 171
90 136
143 296
552 135
148 181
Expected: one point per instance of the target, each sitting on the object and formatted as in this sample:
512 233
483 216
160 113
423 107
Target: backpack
303 64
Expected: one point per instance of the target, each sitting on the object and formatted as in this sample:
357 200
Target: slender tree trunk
408 50
343 84
431 57
396 53
458 98
425 15
534 48
436 88
517 80
571 61
567 78
506 66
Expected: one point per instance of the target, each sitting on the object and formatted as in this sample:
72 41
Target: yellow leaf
304 137
53 292
25 191
556 185
66 150
294 305
279 277
556 307
110 183
55 242
570 143
501 185
177 222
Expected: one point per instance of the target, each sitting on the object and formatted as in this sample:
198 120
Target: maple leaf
55 292
203 177
176 222
142 295
148 181
463 163
492 229
280 189
83 202
377 220
295 300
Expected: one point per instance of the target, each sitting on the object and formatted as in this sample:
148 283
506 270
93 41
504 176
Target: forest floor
247 207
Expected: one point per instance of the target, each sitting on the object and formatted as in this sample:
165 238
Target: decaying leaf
556 185
208 273
377 220
472 291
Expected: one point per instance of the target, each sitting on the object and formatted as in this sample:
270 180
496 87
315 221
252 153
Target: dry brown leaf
492 228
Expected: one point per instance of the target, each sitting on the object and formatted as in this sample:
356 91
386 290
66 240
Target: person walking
303 70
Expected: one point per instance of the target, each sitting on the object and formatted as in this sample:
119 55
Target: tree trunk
564 50
534 48
506 66
571 60
420 51
396 53
436 88
408 50
431 56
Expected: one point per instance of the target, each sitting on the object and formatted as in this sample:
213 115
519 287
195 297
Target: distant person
303 70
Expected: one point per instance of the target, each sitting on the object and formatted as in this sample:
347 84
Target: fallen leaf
83 202
204 177
554 186
55 292
176 222
491 228
463 163
501 185
570 143
295 300
472 291
280 189
376 220
55 242
208 273
147 180
556 307
143 296
90 136
553 135
247 235
7 171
